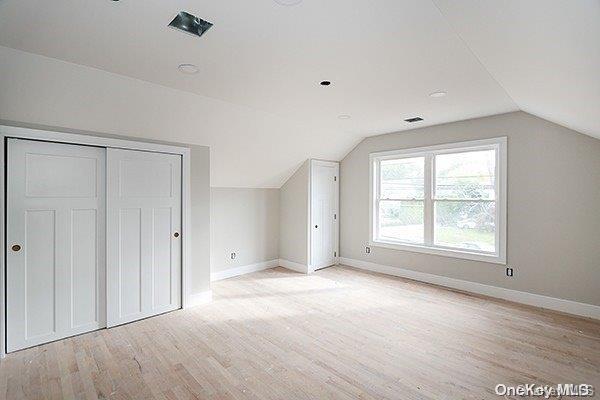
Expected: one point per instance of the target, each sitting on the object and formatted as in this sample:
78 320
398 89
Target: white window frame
498 144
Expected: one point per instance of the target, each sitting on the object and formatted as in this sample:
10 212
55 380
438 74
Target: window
447 200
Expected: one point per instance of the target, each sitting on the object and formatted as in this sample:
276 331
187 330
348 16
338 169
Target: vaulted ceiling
257 100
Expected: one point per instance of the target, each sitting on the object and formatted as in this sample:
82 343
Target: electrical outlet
368 250
233 255
509 272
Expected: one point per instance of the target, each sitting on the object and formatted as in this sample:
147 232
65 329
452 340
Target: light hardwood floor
340 333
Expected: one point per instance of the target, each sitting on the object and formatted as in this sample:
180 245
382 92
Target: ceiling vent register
190 24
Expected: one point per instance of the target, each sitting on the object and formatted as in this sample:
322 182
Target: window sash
460 151
430 198
496 237
379 201
380 183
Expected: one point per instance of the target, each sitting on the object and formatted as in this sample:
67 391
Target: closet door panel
130 261
162 264
84 225
39 290
144 246
55 241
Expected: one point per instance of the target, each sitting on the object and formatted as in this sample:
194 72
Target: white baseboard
537 300
198 299
294 266
245 269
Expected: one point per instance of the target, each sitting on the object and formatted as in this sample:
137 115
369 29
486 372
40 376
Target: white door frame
60 137
335 164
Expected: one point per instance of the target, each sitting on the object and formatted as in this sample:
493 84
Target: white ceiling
256 100
545 53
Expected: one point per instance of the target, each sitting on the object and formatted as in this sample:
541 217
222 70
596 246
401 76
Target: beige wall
293 220
553 207
244 221
201 213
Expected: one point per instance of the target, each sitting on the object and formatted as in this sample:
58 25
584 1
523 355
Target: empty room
299 199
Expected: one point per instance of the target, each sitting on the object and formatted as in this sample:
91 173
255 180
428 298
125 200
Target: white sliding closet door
55 256
143 234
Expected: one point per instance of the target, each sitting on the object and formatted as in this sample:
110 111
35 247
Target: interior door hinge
335 178
335 253
334 217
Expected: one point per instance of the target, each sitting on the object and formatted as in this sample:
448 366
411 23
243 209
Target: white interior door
143 234
324 219
55 256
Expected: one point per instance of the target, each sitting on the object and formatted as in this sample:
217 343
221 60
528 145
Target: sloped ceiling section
544 53
256 99
45 91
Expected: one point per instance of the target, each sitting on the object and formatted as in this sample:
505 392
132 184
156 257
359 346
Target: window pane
466 225
402 178
401 220
467 175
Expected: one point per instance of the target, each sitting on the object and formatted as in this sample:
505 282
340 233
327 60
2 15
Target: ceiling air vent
414 119
191 24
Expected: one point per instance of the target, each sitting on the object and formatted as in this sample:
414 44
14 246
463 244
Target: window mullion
428 202
377 197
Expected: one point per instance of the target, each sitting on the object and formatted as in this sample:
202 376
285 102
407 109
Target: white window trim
500 144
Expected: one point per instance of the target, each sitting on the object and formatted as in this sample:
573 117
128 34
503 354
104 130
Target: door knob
176 234
316 226
16 247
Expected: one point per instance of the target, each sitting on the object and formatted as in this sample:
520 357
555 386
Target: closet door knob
316 226
176 234
16 247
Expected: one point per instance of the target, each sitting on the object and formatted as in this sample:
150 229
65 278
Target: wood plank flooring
340 333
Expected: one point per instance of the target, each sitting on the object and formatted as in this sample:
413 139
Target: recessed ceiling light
344 116
438 94
325 83
189 69
288 2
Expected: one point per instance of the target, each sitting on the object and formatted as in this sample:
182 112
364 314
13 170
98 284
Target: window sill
415 248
